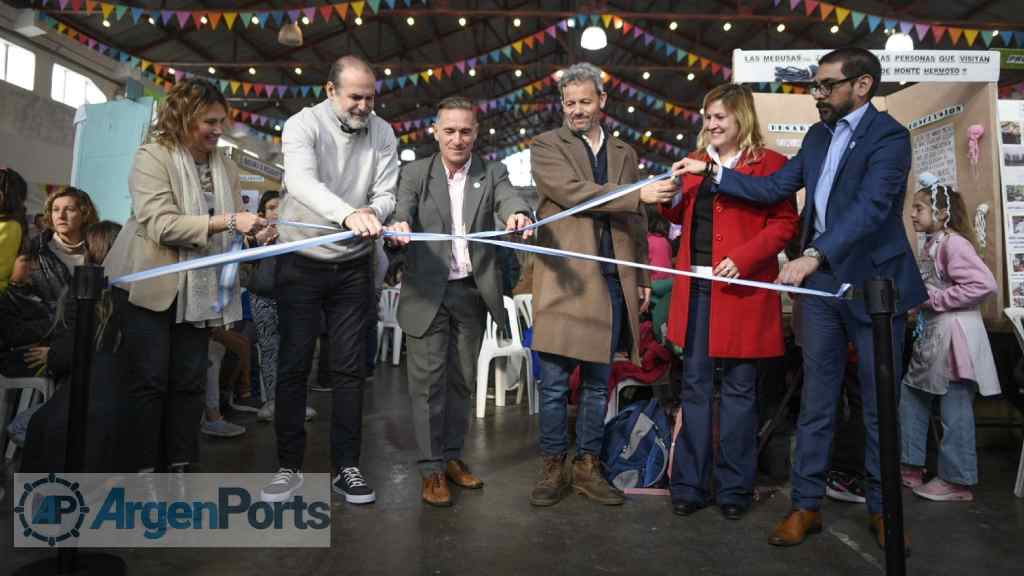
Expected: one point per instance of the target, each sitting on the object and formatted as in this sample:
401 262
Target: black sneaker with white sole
350 483
282 485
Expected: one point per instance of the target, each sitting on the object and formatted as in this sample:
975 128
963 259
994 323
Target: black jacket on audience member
50 276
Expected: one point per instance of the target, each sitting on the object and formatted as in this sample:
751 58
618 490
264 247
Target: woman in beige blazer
186 203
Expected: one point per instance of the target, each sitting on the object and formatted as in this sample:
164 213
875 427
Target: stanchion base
89 564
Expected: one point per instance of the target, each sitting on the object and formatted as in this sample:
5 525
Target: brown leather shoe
435 490
795 527
588 480
554 483
877 525
461 476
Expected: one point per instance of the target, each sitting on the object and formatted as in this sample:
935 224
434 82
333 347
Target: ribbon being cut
230 260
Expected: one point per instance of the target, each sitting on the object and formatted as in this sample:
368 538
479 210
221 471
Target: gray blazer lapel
437 186
474 192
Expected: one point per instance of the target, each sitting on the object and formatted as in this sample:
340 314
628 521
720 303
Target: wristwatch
814 253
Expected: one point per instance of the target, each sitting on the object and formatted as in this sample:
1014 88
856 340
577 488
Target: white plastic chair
524 307
388 319
29 387
1016 317
509 353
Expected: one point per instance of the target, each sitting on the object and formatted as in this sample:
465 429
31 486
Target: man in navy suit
854 166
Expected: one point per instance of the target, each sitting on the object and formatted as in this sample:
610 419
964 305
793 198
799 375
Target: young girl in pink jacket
952 360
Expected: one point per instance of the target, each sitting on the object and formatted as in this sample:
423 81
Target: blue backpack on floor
636 445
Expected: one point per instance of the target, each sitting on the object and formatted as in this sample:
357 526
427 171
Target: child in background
659 249
952 360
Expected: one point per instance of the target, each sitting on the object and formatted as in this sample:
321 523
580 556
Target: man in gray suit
448 287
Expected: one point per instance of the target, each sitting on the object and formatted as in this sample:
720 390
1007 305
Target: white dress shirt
460 265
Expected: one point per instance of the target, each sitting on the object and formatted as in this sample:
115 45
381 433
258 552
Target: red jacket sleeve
782 225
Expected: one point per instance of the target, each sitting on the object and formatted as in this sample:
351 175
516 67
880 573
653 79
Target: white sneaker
282 486
221 428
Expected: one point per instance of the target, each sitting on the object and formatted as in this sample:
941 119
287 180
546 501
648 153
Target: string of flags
212 19
923 30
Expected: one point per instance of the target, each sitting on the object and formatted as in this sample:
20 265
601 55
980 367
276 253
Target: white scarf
198 289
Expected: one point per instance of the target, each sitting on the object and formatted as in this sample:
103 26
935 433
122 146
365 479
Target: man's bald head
353 63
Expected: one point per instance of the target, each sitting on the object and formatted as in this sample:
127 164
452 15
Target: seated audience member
13 228
719 323
47 429
69 211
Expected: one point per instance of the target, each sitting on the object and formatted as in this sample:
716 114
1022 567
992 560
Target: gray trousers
441 367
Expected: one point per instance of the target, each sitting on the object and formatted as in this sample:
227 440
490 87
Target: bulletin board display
1011 160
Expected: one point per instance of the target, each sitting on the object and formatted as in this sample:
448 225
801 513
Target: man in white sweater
341 168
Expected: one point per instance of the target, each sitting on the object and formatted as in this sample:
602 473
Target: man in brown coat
580 306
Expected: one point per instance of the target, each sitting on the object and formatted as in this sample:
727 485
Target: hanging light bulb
727 26
462 21
691 76
252 71
305 20
516 22
492 131
522 131
358 20
410 21
472 71
519 73
171 71
631 109
781 27
254 20
647 75
593 38
152 21
834 29
407 155
647 134
298 71
679 137
616 133
211 70
106 23
204 20
387 71
673 25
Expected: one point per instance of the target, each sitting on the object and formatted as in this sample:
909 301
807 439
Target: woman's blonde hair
180 111
738 101
85 206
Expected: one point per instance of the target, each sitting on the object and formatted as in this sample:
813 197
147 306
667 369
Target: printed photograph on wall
1013 155
1010 132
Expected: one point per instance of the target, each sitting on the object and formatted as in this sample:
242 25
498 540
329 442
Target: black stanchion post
880 298
86 287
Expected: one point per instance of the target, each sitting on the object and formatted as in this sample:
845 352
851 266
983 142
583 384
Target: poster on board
1011 161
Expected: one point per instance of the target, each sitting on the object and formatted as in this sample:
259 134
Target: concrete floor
495 531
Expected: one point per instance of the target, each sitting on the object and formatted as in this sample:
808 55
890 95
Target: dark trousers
828 326
554 390
737 459
441 367
848 440
164 365
309 291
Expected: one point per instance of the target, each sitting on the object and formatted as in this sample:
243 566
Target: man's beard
832 114
579 131
353 121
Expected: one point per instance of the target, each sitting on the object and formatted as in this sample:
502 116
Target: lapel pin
476 184
852 144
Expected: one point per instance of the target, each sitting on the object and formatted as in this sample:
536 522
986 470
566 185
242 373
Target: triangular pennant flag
326 11
937 32
906 27
246 18
793 4
277 16
507 51
293 15
691 59
310 13
518 47
341 9
438 73
809 6
357 7
215 19
183 17
374 5
704 63
842 14
136 14
258 89
146 64
856 18
891 23
107 9
826 9
229 19
529 42
986 36
539 36
246 88
90 6
606 19
1020 38
415 79
449 69
971 36
648 38
224 85
873 22
551 30
389 83
401 82
197 19
461 65
954 34
263 17
715 68
626 28
166 15
391 4
922 30
158 68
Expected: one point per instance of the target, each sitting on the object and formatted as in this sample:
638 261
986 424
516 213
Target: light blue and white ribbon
230 260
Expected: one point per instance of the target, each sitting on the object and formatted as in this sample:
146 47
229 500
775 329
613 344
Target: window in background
74 89
17 65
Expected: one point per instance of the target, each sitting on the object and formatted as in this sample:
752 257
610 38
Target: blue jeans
958 459
737 461
554 392
828 326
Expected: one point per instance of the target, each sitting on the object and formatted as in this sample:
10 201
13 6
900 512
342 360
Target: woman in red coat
719 323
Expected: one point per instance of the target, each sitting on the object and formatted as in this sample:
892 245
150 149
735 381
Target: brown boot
553 485
459 474
588 480
795 527
435 490
877 526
